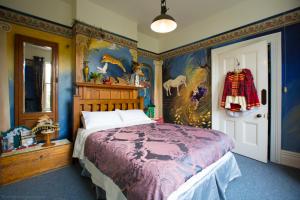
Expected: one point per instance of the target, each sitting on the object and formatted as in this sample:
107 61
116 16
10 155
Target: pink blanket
151 161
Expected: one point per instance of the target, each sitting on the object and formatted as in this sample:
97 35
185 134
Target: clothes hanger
237 68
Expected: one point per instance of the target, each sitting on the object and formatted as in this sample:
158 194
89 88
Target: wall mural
148 69
187 89
110 59
117 62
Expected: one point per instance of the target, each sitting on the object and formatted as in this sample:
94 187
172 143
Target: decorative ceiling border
272 23
98 33
148 54
4 26
23 19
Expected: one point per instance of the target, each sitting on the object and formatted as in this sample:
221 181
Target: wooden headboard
96 97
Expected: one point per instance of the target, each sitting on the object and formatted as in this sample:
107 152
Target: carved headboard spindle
93 97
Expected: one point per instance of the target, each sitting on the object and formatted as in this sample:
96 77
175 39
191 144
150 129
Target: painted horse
174 83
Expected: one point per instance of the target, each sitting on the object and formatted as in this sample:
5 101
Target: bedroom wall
179 65
148 43
238 15
87 11
90 12
33 27
290 79
290 137
149 72
60 11
66 71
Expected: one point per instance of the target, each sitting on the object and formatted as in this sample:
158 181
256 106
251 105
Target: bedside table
25 163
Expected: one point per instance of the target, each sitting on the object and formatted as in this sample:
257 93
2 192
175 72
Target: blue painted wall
65 103
149 72
290 79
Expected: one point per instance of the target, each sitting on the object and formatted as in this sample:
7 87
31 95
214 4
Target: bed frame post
141 106
76 116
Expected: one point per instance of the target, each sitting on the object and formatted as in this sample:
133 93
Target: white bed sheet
210 183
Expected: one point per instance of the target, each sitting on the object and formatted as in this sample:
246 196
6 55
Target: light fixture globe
163 24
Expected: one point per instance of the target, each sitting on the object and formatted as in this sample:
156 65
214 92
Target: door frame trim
276 87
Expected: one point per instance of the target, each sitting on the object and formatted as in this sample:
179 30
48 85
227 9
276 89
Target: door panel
230 127
249 132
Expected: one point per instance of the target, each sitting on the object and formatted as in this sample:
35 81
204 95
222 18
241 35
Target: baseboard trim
290 158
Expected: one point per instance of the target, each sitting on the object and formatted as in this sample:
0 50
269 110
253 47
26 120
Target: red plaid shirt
240 84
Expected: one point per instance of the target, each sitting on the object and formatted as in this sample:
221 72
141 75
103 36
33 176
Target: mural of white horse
177 82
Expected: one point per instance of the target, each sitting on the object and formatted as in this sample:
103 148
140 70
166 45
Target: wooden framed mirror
36 77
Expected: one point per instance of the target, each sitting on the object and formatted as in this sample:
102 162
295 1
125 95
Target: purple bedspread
151 161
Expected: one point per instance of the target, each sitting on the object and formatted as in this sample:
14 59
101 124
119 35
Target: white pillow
99 119
129 116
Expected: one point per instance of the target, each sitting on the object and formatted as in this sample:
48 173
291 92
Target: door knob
258 116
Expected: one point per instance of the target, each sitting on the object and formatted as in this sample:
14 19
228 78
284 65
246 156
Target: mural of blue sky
149 72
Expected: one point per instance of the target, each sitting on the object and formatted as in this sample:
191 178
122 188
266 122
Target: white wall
89 12
238 15
64 11
148 43
32 50
59 11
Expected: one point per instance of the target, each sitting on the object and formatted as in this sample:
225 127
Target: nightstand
21 164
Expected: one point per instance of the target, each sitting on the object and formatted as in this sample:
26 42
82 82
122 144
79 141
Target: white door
250 131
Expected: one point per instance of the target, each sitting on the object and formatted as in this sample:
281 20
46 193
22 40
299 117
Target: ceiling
185 12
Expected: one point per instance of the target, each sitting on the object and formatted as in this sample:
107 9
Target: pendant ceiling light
163 23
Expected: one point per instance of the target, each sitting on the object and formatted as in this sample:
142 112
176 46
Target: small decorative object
107 80
47 127
96 77
102 70
121 81
47 134
86 71
137 72
27 138
151 111
13 138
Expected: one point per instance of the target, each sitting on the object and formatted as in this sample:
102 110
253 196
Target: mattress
115 160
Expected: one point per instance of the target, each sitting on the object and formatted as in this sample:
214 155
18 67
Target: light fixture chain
164 8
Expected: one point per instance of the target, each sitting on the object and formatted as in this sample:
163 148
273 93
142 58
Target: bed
149 160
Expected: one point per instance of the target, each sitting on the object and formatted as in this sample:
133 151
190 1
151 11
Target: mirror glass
37 94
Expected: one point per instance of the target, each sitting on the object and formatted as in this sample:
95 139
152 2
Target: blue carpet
262 181
259 181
